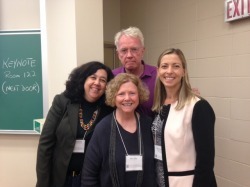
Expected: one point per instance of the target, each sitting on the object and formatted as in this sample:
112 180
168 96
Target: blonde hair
115 84
185 92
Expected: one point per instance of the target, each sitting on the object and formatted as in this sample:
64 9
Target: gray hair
132 32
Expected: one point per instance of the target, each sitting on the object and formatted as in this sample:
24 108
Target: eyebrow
103 77
98 76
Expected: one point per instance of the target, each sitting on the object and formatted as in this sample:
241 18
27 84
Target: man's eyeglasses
133 50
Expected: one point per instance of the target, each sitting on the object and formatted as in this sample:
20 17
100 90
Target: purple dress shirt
148 77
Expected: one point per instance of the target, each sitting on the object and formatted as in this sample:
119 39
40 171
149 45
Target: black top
76 160
132 146
96 168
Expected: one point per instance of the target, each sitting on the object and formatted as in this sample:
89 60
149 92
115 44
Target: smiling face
130 52
95 85
127 98
171 71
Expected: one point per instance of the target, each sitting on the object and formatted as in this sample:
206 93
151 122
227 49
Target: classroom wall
111 19
218 56
64 50
89 30
18 152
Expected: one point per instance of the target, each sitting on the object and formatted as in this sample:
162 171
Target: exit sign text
236 9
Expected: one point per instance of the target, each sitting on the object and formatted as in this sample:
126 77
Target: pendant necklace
88 125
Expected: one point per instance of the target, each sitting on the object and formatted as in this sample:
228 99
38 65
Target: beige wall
89 30
13 14
218 55
64 39
111 19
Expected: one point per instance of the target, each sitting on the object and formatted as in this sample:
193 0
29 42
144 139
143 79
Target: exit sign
236 9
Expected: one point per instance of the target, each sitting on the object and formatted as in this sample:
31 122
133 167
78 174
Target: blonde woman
183 128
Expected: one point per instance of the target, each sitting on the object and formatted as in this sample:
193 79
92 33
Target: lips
94 89
169 79
127 104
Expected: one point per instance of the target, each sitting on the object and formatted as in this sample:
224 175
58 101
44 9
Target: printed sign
236 9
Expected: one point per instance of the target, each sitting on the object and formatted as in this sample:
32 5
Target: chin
94 99
128 111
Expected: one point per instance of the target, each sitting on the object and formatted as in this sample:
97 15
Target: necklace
88 125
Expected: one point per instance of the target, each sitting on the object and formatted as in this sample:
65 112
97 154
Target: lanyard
139 132
85 134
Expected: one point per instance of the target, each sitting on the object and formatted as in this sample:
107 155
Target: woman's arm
203 121
47 142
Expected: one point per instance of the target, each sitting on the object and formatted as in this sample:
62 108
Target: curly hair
74 85
115 84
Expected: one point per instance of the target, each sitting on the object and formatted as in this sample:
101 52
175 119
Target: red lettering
242 7
229 10
236 8
248 6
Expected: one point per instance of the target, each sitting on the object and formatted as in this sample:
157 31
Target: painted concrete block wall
218 56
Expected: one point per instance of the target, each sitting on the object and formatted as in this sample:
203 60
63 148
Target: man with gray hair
130 49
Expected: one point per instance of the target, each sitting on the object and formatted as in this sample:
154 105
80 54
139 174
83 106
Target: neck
127 121
138 72
172 96
170 100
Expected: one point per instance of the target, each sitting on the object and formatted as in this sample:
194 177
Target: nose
169 69
97 81
129 53
126 97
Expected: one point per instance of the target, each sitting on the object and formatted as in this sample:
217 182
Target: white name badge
133 163
158 152
79 146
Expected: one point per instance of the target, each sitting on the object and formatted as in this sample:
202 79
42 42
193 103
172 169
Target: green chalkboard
21 94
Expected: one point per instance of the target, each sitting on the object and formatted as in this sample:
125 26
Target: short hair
74 85
115 84
185 94
130 31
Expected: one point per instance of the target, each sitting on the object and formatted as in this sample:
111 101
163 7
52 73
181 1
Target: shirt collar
146 71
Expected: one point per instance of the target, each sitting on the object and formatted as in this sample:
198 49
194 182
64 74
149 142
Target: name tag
158 152
133 163
79 146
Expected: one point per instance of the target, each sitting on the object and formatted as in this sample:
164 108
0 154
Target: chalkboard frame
27 127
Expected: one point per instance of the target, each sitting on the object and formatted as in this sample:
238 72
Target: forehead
129 41
127 86
101 73
170 58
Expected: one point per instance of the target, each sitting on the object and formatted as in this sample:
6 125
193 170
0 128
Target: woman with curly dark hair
69 126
